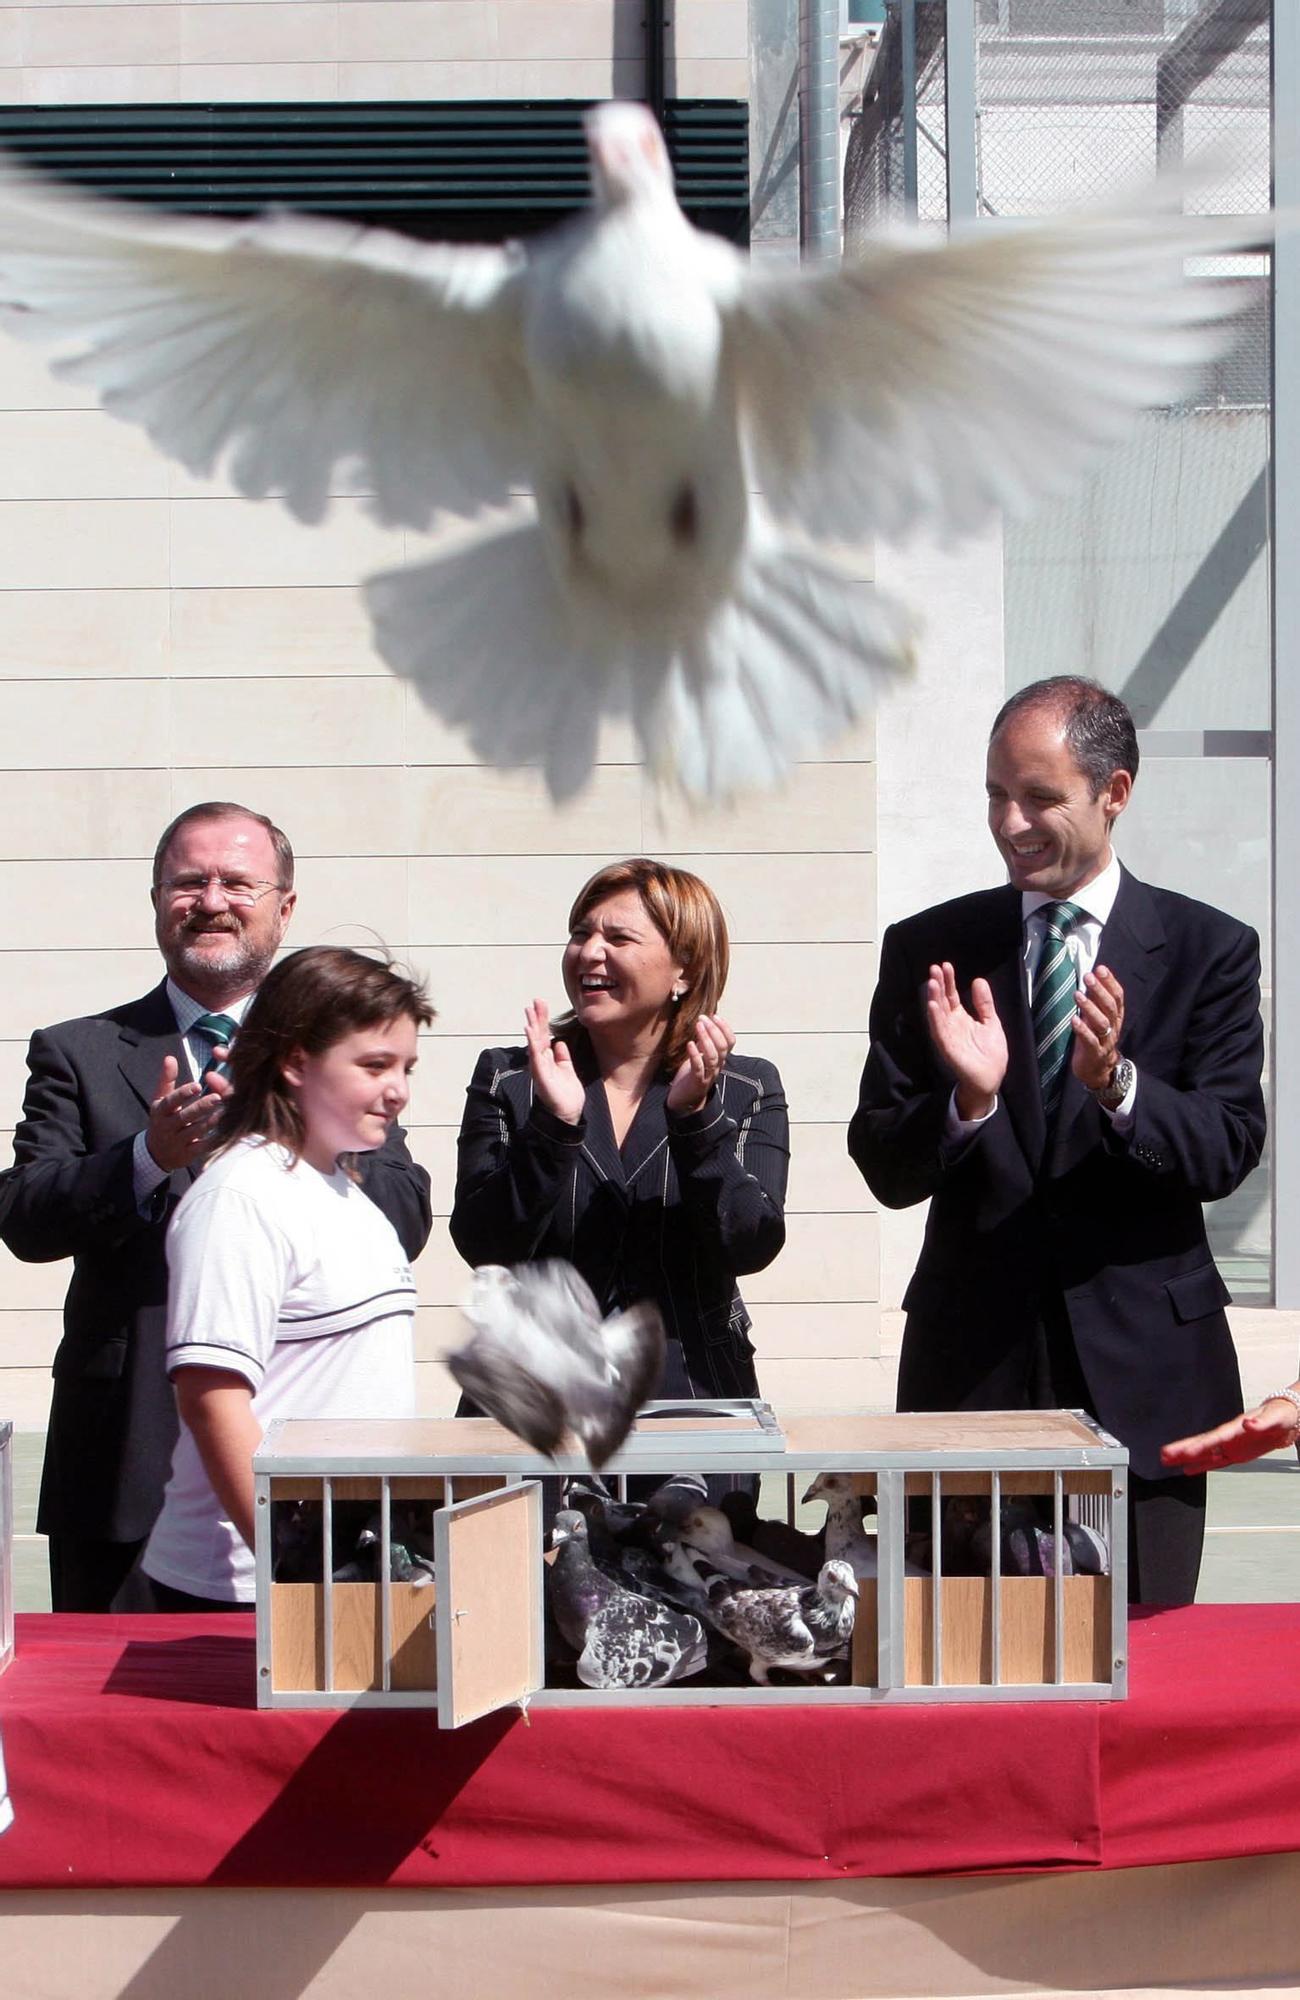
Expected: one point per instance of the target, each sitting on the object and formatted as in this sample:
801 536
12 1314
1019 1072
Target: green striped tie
1055 984
215 1029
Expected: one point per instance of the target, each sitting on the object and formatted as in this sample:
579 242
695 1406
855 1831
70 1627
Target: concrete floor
1252 1550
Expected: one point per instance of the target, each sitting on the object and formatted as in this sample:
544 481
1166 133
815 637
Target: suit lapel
1006 976
647 1132
1132 945
599 1143
145 1040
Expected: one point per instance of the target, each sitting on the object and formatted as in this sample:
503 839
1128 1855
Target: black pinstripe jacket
689 1205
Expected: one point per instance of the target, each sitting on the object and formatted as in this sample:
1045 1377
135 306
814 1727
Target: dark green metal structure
467 170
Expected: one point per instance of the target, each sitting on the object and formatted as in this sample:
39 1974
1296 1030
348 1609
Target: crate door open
488 1555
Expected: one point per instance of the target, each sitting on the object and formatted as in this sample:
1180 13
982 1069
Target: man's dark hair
1096 724
227 809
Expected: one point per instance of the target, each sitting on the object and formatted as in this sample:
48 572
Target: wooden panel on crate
967 1639
490 1626
297 1637
863 1483
955 1484
309 1487
357 1661
990 1430
415 1645
1036 1484
1028 1648
1028 1636
469 1486
318 1439
312 1487
864 1656
1088 1649
426 1486
1089 1482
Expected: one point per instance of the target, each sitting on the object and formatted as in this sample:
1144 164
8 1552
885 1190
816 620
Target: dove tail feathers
484 635
793 650
800 651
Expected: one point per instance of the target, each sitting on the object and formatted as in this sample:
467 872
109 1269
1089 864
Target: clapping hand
555 1080
1098 1025
972 1045
183 1117
709 1047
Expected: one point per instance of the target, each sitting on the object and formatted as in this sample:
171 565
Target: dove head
707 1528
831 1487
629 159
836 1581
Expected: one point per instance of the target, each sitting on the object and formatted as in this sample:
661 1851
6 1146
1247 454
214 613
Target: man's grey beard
242 964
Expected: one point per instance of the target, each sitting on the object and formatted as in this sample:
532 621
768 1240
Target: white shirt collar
189 1010
1096 899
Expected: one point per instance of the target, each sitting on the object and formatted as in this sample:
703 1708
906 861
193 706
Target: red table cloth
136 1756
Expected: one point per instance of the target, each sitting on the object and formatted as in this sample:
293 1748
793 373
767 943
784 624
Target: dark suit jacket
1109 1223
688 1206
70 1193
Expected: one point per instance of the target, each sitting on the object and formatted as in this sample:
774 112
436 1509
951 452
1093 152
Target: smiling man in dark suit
1068 1067
118 1117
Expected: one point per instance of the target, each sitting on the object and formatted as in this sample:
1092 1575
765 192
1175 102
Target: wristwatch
1111 1095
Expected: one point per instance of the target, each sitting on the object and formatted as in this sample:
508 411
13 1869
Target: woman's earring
679 994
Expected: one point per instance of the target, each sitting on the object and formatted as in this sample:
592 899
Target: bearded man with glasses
118 1118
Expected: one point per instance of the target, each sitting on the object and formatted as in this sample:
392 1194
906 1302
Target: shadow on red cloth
211 1669
348 1813
371 1791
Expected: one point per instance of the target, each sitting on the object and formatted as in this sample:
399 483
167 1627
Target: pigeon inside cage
647 1586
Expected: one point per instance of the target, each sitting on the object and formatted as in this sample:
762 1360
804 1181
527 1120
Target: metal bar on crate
1118 1540
327 1575
1058 1584
936 1571
386 1582
995 1577
264 1563
961 109
891 1635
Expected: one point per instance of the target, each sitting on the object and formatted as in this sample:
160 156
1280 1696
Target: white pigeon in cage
641 379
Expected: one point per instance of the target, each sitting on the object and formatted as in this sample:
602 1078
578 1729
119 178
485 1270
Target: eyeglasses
239 893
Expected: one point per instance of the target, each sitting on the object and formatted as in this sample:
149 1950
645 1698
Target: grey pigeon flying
542 1361
803 1628
646 384
622 1640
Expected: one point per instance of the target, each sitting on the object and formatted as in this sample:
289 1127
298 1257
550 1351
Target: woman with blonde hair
631 1139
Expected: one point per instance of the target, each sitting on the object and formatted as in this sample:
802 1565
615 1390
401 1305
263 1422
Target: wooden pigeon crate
470 1639
6 1545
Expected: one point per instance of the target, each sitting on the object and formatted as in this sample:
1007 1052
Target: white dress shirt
147 1175
1096 899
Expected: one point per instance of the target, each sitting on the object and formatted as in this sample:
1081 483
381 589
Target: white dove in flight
640 378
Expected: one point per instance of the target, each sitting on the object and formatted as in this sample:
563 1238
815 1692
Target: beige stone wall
118 51
163 641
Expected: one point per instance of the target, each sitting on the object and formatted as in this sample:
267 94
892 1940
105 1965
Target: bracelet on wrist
1291 1396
